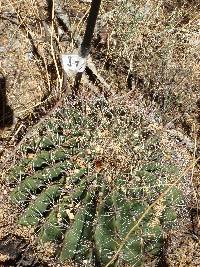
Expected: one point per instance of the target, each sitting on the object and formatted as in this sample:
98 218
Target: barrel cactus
86 179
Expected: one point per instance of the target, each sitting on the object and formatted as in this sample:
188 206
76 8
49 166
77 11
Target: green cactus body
104 234
83 208
74 245
35 211
52 230
37 181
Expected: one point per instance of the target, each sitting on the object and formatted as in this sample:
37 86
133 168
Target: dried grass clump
159 42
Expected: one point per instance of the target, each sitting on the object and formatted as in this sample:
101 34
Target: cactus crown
86 179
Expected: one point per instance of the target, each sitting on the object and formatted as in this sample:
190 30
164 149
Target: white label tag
73 63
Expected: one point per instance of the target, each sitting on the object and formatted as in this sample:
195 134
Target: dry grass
156 44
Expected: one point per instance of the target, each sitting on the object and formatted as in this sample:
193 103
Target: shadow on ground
6 112
15 251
